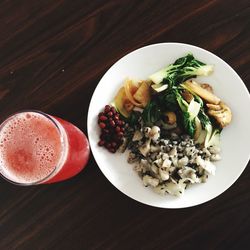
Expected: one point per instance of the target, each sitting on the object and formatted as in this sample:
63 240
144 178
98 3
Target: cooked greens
169 97
189 113
182 69
151 114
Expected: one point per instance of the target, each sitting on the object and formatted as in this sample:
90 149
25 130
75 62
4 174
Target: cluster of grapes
112 129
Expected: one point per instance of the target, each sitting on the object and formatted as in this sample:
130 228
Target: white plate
235 138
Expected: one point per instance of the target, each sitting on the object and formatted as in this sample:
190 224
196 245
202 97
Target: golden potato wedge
122 103
143 95
130 90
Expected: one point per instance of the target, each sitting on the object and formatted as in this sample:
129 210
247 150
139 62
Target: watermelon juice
36 148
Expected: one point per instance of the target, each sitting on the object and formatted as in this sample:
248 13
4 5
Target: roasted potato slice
130 90
143 95
122 103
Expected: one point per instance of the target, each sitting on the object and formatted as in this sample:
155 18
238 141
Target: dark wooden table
52 55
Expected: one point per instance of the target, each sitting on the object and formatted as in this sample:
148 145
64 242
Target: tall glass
37 148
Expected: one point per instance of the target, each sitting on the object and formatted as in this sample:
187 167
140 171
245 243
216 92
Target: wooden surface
52 55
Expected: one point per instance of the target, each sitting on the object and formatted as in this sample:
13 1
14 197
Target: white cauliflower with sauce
171 165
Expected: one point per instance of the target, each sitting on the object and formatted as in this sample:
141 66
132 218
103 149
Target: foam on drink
30 147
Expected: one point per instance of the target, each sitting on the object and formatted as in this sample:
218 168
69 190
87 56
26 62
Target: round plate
234 139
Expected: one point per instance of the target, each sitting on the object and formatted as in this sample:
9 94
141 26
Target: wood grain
52 55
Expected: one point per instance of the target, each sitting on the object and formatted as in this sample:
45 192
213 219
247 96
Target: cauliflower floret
176 189
189 174
164 174
150 181
145 148
183 161
166 163
208 166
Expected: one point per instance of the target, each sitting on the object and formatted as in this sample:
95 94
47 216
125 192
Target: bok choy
182 69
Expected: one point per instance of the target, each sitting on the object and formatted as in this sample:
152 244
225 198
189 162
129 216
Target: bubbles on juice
44 153
41 141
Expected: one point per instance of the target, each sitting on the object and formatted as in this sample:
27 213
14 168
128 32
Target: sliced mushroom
154 133
145 148
203 93
214 106
137 136
207 86
147 131
170 117
187 95
223 115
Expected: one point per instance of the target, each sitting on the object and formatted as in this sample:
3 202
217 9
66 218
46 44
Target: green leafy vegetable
167 100
151 114
132 120
214 139
212 133
189 113
167 83
182 69
164 101
189 124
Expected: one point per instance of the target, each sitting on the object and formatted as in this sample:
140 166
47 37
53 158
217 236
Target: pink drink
36 148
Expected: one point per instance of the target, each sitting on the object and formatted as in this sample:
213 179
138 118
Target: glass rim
63 141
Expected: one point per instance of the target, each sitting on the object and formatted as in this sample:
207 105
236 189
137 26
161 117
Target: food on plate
112 129
170 164
205 94
169 117
207 86
182 69
130 89
132 94
169 124
221 113
142 95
